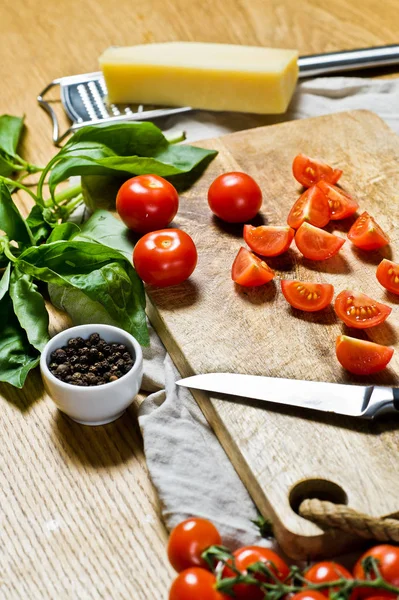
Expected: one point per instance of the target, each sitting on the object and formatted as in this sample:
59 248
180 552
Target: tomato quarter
388 275
146 203
249 270
311 207
195 584
317 244
362 357
267 240
249 555
309 171
387 557
235 197
324 572
359 311
165 257
341 204
366 234
307 296
187 542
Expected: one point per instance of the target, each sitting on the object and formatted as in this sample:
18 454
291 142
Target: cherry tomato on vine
308 595
146 203
248 555
268 240
387 557
188 541
362 357
317 244
249 270
359 311
388 275
324 572
165 257
311 207
235 197
195 584
306 295
366 234
341 204
309 171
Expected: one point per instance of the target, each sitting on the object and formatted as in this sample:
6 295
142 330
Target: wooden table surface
79 516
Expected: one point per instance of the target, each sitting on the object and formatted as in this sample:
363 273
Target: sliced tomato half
388 275
249 270
366 234
306 295
311 207
267 240
362 357
309 171
341 204
359 311
317 244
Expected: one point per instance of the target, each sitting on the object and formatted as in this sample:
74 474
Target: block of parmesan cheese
203 76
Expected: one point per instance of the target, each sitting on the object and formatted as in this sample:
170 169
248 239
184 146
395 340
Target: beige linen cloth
188 467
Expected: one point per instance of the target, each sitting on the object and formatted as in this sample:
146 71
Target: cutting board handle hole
322 489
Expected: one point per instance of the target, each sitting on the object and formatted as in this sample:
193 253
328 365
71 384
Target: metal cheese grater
83 97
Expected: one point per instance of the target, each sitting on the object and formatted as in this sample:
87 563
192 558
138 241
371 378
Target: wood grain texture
209 324
79 515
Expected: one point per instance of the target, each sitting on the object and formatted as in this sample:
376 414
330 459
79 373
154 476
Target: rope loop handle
338 516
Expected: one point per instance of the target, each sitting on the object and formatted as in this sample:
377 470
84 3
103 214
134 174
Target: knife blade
344 399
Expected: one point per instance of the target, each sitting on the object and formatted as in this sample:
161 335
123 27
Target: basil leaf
64 231
17 356
80 308
122 149
29 308
103 274
111 287
105 229
7 167
173 161
10 131
11 221
5 281
39 227
100 192
124 139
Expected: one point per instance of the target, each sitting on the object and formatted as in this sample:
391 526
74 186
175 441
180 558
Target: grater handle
57 138
348 60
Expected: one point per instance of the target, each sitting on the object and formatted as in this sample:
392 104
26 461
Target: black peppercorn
94 338
59 356
90 362
63 369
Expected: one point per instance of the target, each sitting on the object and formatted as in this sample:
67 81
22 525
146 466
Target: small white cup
97 404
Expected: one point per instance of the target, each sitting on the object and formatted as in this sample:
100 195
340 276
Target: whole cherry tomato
146 203
387 557
249 555
324 572
235 197
195 584
188 541
308 595
165 257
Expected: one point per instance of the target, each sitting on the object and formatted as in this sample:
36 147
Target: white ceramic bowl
99 404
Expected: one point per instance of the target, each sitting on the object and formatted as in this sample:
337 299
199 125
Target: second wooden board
209 324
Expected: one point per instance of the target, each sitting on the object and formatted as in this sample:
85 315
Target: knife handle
348 60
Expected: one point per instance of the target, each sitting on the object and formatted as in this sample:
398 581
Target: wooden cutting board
209 324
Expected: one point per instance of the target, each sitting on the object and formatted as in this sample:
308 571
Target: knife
343 399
